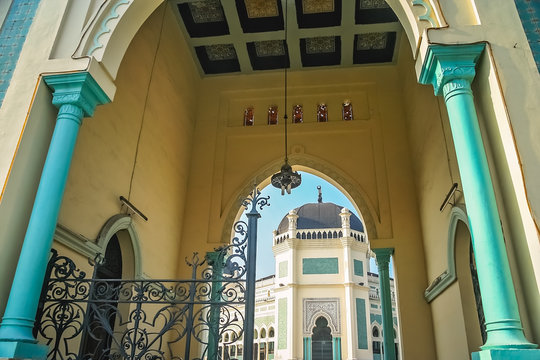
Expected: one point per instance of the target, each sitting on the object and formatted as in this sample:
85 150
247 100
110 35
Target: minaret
345 222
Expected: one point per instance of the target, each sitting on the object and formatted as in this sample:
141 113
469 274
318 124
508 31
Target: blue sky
280 206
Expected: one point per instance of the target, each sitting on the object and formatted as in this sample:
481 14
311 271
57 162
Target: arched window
375 332
335 235
263 333
324 235
255 334
303 235
309 235
226 338
271 333
298 235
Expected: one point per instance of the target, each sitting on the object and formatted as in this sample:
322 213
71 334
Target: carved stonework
220 52
261 8
108 23
321 45
450 87
373 4
270 48
449 73
317 6
327 307
428 16
206 11
372 41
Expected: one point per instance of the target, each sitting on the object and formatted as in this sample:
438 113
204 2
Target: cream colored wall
20 191
371 153
139 146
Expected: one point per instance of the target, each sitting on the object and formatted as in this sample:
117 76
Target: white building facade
323 302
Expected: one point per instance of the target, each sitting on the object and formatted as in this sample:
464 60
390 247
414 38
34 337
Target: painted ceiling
229 36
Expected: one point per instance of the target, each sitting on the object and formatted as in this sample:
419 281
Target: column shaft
503 324
383 260
76 95
21 308
451 69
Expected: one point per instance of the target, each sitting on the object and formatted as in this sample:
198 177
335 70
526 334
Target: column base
507 354
22 350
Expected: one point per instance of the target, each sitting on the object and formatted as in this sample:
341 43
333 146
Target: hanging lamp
286 179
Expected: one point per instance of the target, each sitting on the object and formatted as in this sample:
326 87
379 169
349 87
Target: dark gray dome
319 216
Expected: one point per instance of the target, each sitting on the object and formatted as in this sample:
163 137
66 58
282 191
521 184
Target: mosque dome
322 215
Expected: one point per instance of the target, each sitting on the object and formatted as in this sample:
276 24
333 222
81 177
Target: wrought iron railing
84 318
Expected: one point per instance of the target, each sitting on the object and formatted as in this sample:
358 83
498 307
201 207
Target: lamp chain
285 64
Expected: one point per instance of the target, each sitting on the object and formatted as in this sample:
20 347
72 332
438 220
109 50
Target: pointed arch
313 165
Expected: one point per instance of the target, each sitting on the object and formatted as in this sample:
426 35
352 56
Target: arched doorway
102 314
321 340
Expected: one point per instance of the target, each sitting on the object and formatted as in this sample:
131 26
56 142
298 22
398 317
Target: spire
320 194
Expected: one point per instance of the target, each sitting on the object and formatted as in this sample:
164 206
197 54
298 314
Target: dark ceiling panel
204 18
218 59
267 55
374 12
260 16
320 51
318 13
374 47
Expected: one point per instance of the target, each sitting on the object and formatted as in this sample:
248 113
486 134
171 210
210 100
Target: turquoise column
76 95
383 261
339 349
451 69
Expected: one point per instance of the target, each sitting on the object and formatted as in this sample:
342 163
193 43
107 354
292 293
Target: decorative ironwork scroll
88 318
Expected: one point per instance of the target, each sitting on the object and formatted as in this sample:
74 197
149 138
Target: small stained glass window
347 110
298 114
322 113
249 116
273 115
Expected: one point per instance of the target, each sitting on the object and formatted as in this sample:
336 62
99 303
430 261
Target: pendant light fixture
286 179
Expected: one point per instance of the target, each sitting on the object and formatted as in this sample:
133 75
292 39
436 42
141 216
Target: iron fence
87 318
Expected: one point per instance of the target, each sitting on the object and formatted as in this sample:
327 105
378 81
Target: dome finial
320 194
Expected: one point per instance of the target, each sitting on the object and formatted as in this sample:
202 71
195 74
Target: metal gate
87 318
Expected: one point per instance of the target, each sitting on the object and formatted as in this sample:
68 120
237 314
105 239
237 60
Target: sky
281 204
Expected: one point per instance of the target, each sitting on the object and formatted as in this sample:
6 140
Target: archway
321 340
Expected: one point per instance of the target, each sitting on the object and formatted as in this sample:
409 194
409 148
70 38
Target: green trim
282 324
358 267
79 89
463 57
283 269
316 266
361 323
448 277
507 354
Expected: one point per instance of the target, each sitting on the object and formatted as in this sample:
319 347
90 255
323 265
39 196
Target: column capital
445 63
382 256
79 89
